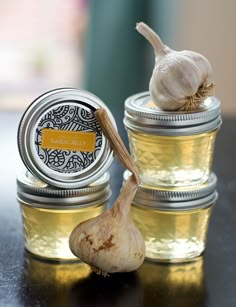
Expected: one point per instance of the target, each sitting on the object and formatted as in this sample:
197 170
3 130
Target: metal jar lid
60 140
142 115
37 193
176 198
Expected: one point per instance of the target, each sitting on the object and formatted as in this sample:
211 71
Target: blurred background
93 45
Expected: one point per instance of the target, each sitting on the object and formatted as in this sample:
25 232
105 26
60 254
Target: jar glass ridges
174 222
172 161
173 235
49 214
171 148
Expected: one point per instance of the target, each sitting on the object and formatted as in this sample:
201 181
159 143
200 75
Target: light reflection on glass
73 284
173 284
154 284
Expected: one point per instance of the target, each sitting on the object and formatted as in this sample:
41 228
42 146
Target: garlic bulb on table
111 242
180 79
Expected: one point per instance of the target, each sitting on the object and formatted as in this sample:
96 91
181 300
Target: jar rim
36 193
178 197
202 203
143 116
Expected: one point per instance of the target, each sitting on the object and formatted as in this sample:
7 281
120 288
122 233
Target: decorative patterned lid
37 193
141 114
176 198
60 140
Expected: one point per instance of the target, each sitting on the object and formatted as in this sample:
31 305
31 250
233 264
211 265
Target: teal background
118 60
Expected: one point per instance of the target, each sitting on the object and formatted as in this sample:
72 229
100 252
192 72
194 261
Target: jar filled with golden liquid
66 156
50 214
174 223
171 148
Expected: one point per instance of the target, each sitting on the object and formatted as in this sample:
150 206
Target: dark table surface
209 282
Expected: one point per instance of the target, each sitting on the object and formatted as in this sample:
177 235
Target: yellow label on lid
68 140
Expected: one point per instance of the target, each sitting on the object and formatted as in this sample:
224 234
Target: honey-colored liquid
172 160
172 235
176 285
39 271
47 231
73 284
53 283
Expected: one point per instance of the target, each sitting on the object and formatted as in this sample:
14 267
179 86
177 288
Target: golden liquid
174 285
38 271
73 284
172 160
172 235
47 231
52 283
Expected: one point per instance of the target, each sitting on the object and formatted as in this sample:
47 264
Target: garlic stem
128 191
123 201
116 142
159 48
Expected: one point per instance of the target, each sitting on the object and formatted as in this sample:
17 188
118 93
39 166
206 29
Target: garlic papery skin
111 242
181 80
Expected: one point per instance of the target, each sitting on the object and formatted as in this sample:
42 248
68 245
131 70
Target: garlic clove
180 79
201 62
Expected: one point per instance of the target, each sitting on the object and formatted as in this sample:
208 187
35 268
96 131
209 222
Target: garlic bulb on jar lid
180 79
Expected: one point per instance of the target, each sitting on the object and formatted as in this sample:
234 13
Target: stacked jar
67 157
173 153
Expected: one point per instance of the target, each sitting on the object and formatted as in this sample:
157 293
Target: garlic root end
194 101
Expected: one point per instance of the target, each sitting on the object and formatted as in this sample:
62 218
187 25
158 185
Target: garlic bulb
110 242
180 79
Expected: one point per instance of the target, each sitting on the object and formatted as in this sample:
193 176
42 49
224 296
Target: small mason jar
174 223
171 148
49 214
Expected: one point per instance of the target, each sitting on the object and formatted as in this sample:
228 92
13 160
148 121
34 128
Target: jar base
51 259
175 260
175 178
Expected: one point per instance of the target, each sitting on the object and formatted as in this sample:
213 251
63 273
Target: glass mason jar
171 148
174 223
50 214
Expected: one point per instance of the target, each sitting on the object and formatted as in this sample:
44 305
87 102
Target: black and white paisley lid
64 110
